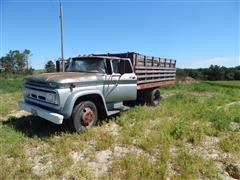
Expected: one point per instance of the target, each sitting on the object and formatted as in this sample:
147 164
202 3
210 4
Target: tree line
213 73
16 62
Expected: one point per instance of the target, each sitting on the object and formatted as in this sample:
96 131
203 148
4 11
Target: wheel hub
88 116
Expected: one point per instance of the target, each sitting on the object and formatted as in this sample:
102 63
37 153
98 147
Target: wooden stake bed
151 71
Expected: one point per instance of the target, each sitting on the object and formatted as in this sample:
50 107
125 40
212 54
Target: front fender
69 104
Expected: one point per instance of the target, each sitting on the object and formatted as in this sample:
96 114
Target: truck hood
65 77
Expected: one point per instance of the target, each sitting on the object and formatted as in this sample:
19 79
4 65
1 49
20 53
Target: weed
10 102
17 168
220 119
61 164
12 156
136 166
200 87
11 85
79 171
230 143
11 142
192 166
104 141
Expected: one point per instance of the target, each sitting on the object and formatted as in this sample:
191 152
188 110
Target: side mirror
58 65
121 67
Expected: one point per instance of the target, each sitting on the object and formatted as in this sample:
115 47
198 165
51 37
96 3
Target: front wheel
84 115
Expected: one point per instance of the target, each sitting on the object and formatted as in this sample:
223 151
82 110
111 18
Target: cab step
112 112
122 108
116 107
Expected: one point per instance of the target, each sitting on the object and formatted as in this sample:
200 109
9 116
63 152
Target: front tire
84 115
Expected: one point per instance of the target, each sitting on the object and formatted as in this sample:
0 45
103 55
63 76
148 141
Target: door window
115 65
121 66
127 67
108 67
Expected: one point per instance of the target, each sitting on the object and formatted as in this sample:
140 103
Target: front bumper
35 110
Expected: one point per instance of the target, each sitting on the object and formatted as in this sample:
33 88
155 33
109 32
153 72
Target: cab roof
97 56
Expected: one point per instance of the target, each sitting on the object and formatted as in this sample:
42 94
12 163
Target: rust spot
88 116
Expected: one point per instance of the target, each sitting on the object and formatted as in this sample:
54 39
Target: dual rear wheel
150 97
154 97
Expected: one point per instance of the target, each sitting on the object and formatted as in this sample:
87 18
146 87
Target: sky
195 33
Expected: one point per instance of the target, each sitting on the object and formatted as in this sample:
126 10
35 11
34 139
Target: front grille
42 98
37 92
37 96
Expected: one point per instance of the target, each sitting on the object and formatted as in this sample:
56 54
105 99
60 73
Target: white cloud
221 61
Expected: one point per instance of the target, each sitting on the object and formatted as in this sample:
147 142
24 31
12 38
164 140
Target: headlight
53 84
25 92
50 98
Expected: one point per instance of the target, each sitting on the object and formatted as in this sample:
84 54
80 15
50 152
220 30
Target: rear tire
84 115
154 97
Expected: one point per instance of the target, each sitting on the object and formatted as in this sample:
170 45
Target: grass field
10 92
194 133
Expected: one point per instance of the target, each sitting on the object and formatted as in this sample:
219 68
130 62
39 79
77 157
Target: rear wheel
150 97
155 97
84 115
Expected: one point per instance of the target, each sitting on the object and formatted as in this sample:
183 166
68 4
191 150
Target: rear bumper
37 111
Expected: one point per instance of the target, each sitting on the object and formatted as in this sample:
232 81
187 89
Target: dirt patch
171 171
186 80
235 127
40 160
77 156
103 159
208 149
112 128
226 106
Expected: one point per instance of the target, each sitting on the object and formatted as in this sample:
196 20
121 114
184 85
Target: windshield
87 65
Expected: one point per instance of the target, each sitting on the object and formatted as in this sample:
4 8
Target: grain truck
96 86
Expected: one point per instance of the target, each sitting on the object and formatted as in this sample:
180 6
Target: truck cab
91 87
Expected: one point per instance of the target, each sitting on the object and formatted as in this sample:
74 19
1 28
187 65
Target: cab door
122 83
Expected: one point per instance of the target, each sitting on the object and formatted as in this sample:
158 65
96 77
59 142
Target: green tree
22 60
237 74
181 73
50 66
216 73
15 61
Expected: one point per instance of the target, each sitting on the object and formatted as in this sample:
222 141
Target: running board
122 108
112 112
116 107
